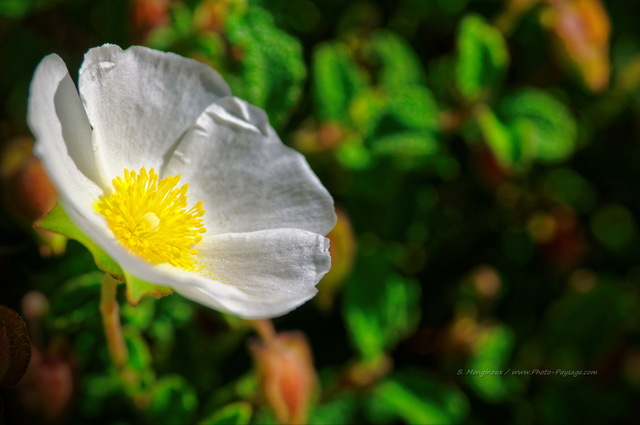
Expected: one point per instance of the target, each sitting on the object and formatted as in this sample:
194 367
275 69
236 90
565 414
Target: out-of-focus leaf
365 109
336 80
570 188
139 352
482 57
486 369
399 65
497 136
140 316
15 347
272 67
542 125
338 411
417 400
231 414
380 307
588 321
76 303
354 155
408 144
173 401
409 107
613 226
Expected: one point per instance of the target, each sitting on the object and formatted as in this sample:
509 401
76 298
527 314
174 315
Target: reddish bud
287 376
582 29
147 15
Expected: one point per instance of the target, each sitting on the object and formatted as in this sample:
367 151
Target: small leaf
482 57
58 221
232 414
380 307
173 401
338 411
542 125
498 138
336 80
138 288
485 369
76 302
138 348
407 108
417 400
272 66
15 347
399 64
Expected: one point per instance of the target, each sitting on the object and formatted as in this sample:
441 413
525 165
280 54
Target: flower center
151 218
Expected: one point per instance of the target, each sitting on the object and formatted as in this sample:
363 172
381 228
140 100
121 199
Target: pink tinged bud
47 387
582 28
287 376
147 15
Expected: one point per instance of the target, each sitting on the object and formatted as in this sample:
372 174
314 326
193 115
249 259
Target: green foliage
487 371
416 399
272 69
540 124
482 57
379 312
231 414
398 64
336 80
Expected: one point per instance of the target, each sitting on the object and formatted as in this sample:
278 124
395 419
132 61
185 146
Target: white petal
140 102
63 135
274 270
248 180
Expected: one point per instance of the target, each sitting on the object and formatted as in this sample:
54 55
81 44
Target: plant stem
111 321
265 329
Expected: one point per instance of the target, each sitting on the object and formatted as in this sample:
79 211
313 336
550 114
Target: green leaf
407 108
272 67
416 399
58 221
542 125
497 136
613 226
338 411
408 144
398 64
173 401
380 307
486 369
482 57
138 348
336 80
231 414
76 303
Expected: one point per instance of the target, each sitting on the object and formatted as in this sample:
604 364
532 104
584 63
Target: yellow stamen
151 218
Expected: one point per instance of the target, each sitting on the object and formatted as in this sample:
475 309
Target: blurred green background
484 156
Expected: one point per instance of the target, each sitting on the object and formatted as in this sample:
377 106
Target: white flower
246 236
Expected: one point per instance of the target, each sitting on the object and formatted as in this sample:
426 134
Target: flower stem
265 329
111 321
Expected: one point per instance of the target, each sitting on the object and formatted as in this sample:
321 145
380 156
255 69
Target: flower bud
287 376
582 29
147 15
47 387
